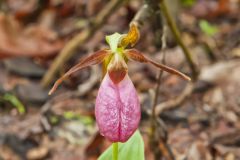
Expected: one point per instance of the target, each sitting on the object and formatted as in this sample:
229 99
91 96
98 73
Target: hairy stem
177 36
115 151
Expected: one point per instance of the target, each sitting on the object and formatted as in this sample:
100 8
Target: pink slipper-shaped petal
117 109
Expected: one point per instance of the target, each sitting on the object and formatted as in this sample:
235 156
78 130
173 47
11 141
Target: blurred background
41 39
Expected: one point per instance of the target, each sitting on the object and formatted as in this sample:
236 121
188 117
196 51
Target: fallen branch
69 50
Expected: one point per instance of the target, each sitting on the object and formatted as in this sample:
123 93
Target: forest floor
34 125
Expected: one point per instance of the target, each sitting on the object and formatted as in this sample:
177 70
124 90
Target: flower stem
115 151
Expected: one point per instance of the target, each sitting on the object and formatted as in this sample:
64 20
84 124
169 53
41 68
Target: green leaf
208 28
133 149
69 115
113 40
15 102
54 119
188 3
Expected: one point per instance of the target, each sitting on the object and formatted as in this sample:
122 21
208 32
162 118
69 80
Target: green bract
133 149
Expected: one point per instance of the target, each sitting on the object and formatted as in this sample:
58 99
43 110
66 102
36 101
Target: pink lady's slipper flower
117 108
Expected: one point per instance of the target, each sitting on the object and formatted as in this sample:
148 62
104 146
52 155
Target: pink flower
117 106
117 109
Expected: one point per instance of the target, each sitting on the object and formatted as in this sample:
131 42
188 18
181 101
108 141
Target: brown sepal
93 59
136 55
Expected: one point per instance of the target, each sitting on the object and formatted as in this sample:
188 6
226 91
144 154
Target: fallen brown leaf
33 41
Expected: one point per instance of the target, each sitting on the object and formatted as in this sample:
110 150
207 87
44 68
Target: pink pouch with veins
117 109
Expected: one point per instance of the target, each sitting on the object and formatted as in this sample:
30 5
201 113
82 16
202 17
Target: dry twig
159 133
177 36
173 103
